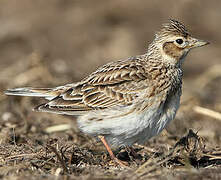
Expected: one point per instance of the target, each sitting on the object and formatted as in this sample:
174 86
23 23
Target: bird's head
174 42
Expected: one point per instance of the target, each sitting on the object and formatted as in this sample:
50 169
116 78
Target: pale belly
132 128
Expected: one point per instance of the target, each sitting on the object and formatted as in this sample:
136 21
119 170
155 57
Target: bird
126 101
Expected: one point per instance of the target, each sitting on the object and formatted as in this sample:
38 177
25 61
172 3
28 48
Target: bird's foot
120 162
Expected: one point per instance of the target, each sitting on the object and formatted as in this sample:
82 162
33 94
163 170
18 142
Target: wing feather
117 83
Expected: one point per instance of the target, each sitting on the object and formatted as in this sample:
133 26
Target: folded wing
117 83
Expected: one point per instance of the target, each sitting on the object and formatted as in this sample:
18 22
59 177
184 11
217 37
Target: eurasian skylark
126 101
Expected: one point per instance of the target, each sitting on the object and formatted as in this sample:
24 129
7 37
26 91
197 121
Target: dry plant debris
59 157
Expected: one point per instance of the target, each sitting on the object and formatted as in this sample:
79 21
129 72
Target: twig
59 158
207 112
56 128
19 156
155 163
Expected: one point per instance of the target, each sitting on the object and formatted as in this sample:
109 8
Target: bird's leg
118 161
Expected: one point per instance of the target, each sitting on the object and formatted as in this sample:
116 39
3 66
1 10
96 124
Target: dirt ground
55 42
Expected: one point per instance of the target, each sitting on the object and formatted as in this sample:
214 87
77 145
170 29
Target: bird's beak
193 43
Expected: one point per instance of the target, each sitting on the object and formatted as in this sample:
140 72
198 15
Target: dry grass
50 43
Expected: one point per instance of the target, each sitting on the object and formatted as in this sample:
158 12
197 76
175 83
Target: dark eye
179 41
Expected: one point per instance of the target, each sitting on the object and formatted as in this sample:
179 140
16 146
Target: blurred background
55 42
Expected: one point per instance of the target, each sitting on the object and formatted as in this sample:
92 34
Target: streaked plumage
130 100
